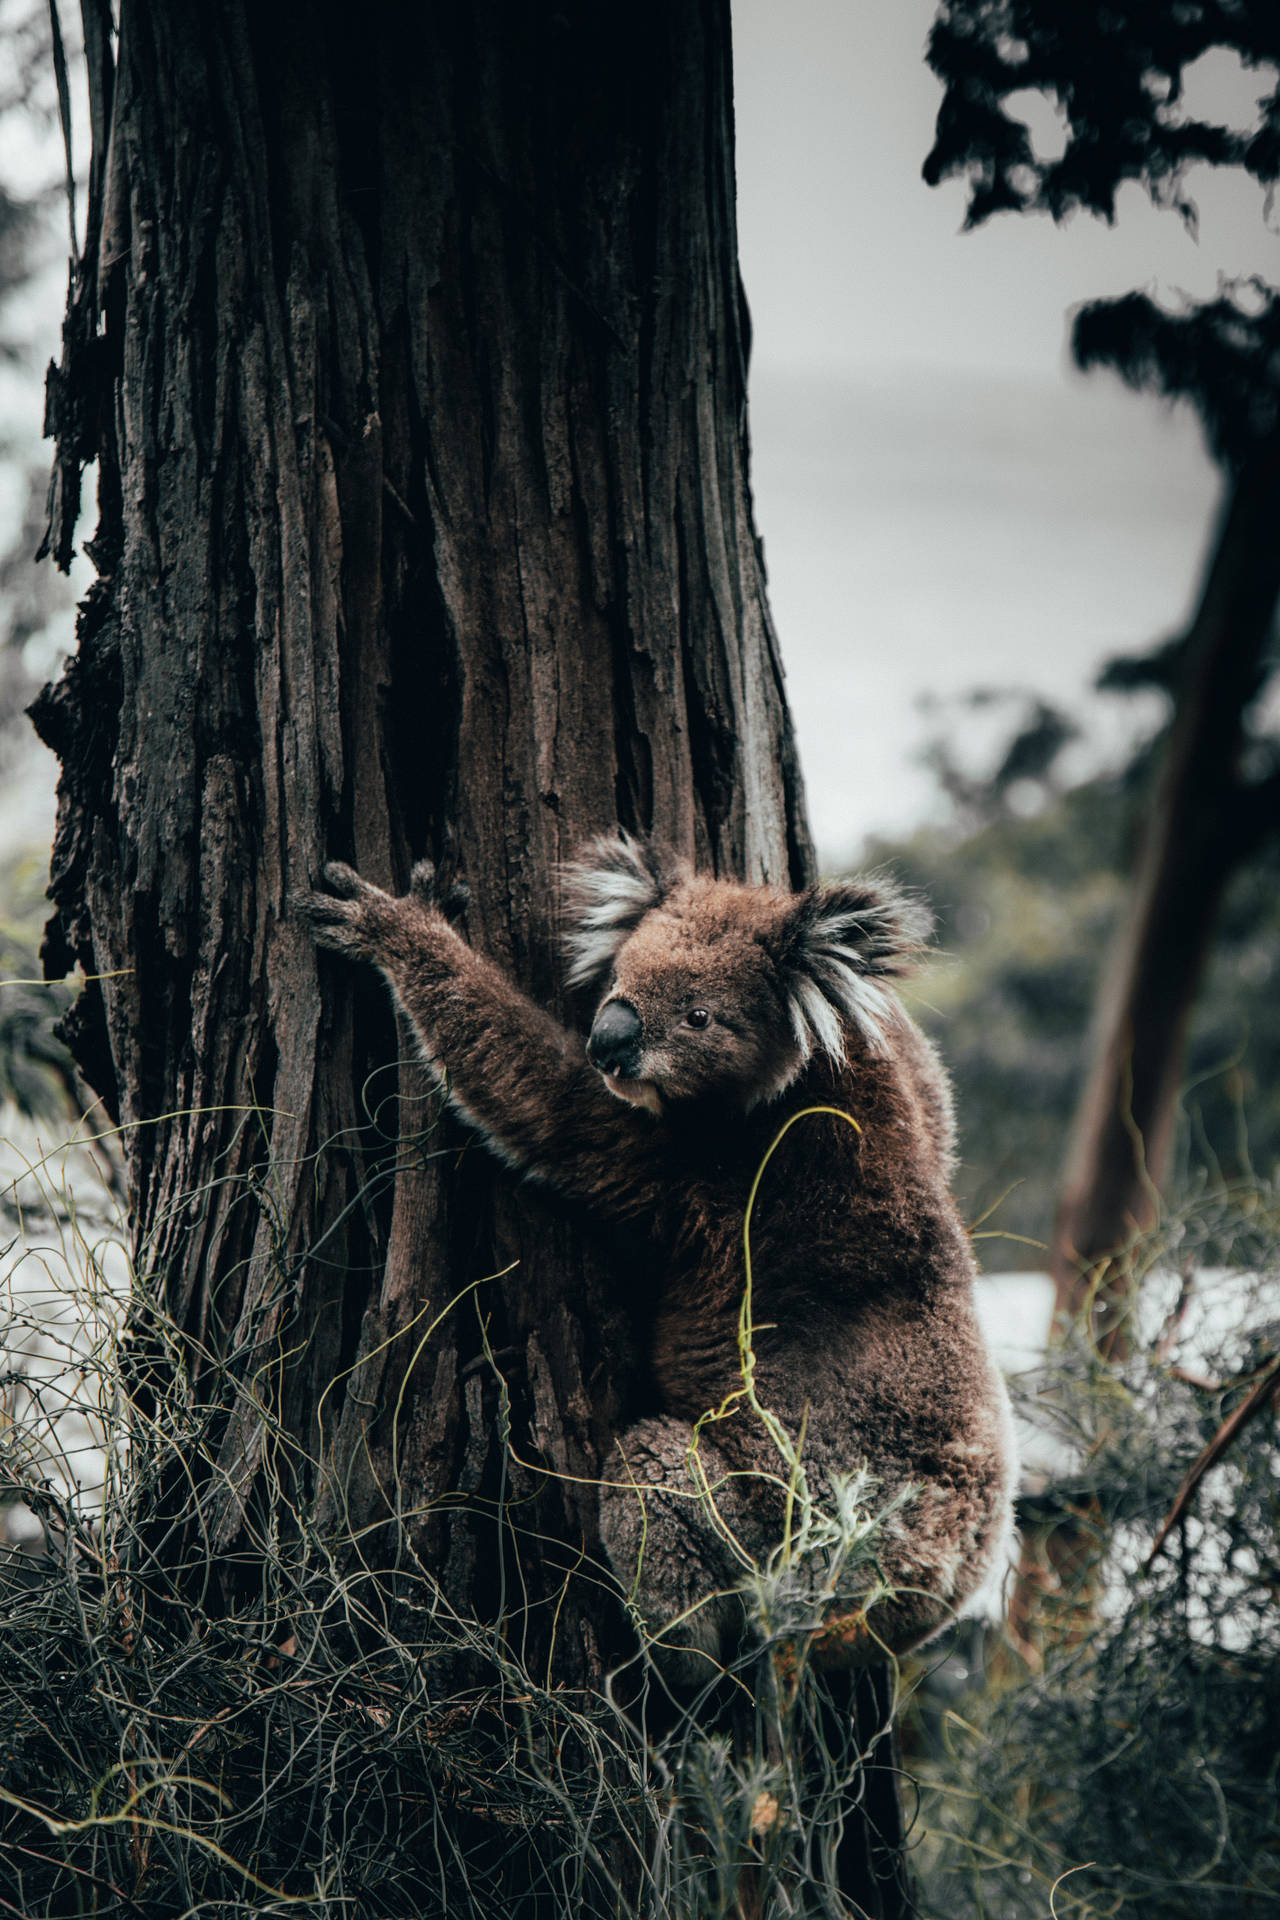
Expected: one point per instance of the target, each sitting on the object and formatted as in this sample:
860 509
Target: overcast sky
852 261
943 502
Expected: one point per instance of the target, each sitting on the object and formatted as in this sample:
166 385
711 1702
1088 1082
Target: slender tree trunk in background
1203 821
410 345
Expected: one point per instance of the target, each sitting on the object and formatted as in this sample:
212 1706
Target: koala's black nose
614 1046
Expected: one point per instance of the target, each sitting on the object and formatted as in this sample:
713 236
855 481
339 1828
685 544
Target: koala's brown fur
724 1011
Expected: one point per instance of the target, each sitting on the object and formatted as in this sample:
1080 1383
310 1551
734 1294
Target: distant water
931 533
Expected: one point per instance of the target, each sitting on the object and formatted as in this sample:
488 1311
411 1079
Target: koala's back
858 1255
865 1326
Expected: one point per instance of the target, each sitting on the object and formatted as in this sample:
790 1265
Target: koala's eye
697 1017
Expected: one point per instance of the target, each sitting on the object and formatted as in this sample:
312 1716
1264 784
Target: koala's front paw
354 917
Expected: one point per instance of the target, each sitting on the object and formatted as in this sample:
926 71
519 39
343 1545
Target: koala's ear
836 944
607 891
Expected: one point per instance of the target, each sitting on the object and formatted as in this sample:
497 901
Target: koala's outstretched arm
508 1067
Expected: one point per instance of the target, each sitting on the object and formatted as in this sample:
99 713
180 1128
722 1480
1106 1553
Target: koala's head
715 990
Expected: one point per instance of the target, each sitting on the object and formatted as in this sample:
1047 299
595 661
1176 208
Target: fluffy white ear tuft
836 945
607 891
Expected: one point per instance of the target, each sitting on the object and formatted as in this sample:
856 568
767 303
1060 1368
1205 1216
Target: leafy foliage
1117 76
1027 906
1117 72
1223 356
1135 1769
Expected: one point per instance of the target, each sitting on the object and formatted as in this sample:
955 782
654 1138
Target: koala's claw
435 887
344 880
354 917
343 918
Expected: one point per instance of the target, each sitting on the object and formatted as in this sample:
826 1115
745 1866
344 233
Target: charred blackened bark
410 346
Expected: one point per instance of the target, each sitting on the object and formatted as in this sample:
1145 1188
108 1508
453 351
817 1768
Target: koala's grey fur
724 1010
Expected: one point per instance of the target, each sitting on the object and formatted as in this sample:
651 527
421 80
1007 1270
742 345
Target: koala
723 1012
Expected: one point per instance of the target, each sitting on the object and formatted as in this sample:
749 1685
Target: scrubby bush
1133 1765
339 1739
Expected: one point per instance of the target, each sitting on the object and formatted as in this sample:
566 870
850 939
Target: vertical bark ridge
424 375
412 351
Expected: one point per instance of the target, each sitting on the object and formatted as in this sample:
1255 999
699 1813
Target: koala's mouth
637 1093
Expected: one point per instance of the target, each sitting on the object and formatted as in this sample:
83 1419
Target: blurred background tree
36 1074
1119 79
1171 861
1027 903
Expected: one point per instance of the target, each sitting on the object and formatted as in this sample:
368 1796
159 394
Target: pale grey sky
850 259
943 502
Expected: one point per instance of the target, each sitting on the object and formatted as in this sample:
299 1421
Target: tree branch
1256 815
1235 1423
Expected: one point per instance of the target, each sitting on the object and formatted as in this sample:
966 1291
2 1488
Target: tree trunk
1203 821
411 348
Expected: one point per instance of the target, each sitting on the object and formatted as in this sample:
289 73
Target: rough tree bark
1206 817
411 348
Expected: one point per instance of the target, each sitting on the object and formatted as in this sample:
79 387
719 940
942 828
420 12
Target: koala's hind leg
671 1553
667 1550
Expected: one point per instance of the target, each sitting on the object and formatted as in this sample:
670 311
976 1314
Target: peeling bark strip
411 349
